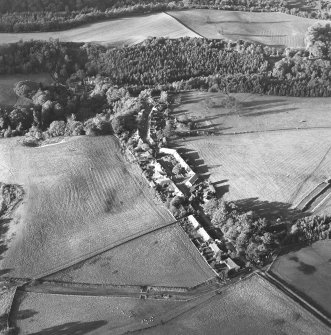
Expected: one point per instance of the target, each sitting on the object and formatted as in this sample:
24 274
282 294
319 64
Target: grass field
251 307
116 32
308 271
7 82
256 113
162 258
48 314
267 28
271 149
81 196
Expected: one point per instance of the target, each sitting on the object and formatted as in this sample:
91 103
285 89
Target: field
115 32
267 28
165 257
254 113
308 271
268 154
46 314
7 82
81 197
252 307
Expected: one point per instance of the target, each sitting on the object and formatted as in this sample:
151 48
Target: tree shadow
269 112
269 209
72 328
25 314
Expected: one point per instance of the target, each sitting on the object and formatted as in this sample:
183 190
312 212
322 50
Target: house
193 221
190 182
205 236
231 264
213 246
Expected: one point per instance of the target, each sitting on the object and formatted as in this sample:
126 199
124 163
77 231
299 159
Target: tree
57 128
26 88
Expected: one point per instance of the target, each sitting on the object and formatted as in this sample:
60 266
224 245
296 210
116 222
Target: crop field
275 29
165 257
251 307
265 171
254 112
81 197
308 271
115 32
44 314
7 82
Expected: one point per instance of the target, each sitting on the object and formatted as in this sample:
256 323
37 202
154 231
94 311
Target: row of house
231 265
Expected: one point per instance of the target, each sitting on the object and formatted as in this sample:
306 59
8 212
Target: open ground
81 197
115 32
308 271
275 29
165 257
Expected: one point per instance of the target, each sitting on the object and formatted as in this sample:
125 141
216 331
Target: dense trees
318 40
257 237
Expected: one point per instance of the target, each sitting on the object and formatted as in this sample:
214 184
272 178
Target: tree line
47 15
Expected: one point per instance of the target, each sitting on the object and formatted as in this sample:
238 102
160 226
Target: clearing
7 83
165 257
251 307
274 29
81 198
122 31
308 271
38 313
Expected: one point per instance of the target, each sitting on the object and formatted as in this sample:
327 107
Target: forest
46 15
185 63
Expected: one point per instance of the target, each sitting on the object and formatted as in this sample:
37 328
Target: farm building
191 181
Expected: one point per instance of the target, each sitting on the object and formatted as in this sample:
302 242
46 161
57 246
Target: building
194 221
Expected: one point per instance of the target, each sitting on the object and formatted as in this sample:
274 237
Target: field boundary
184 25
99 251
296 296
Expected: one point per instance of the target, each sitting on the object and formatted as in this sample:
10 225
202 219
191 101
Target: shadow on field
268 209
305 268
72 328
193 159
270 112
248 22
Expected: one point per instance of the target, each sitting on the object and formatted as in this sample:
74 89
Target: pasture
7 83
38 313
269 171
268 153
308 271
165 257
121 31
274 29
251 307
255 113
82 197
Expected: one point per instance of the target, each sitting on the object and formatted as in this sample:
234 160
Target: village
183 191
